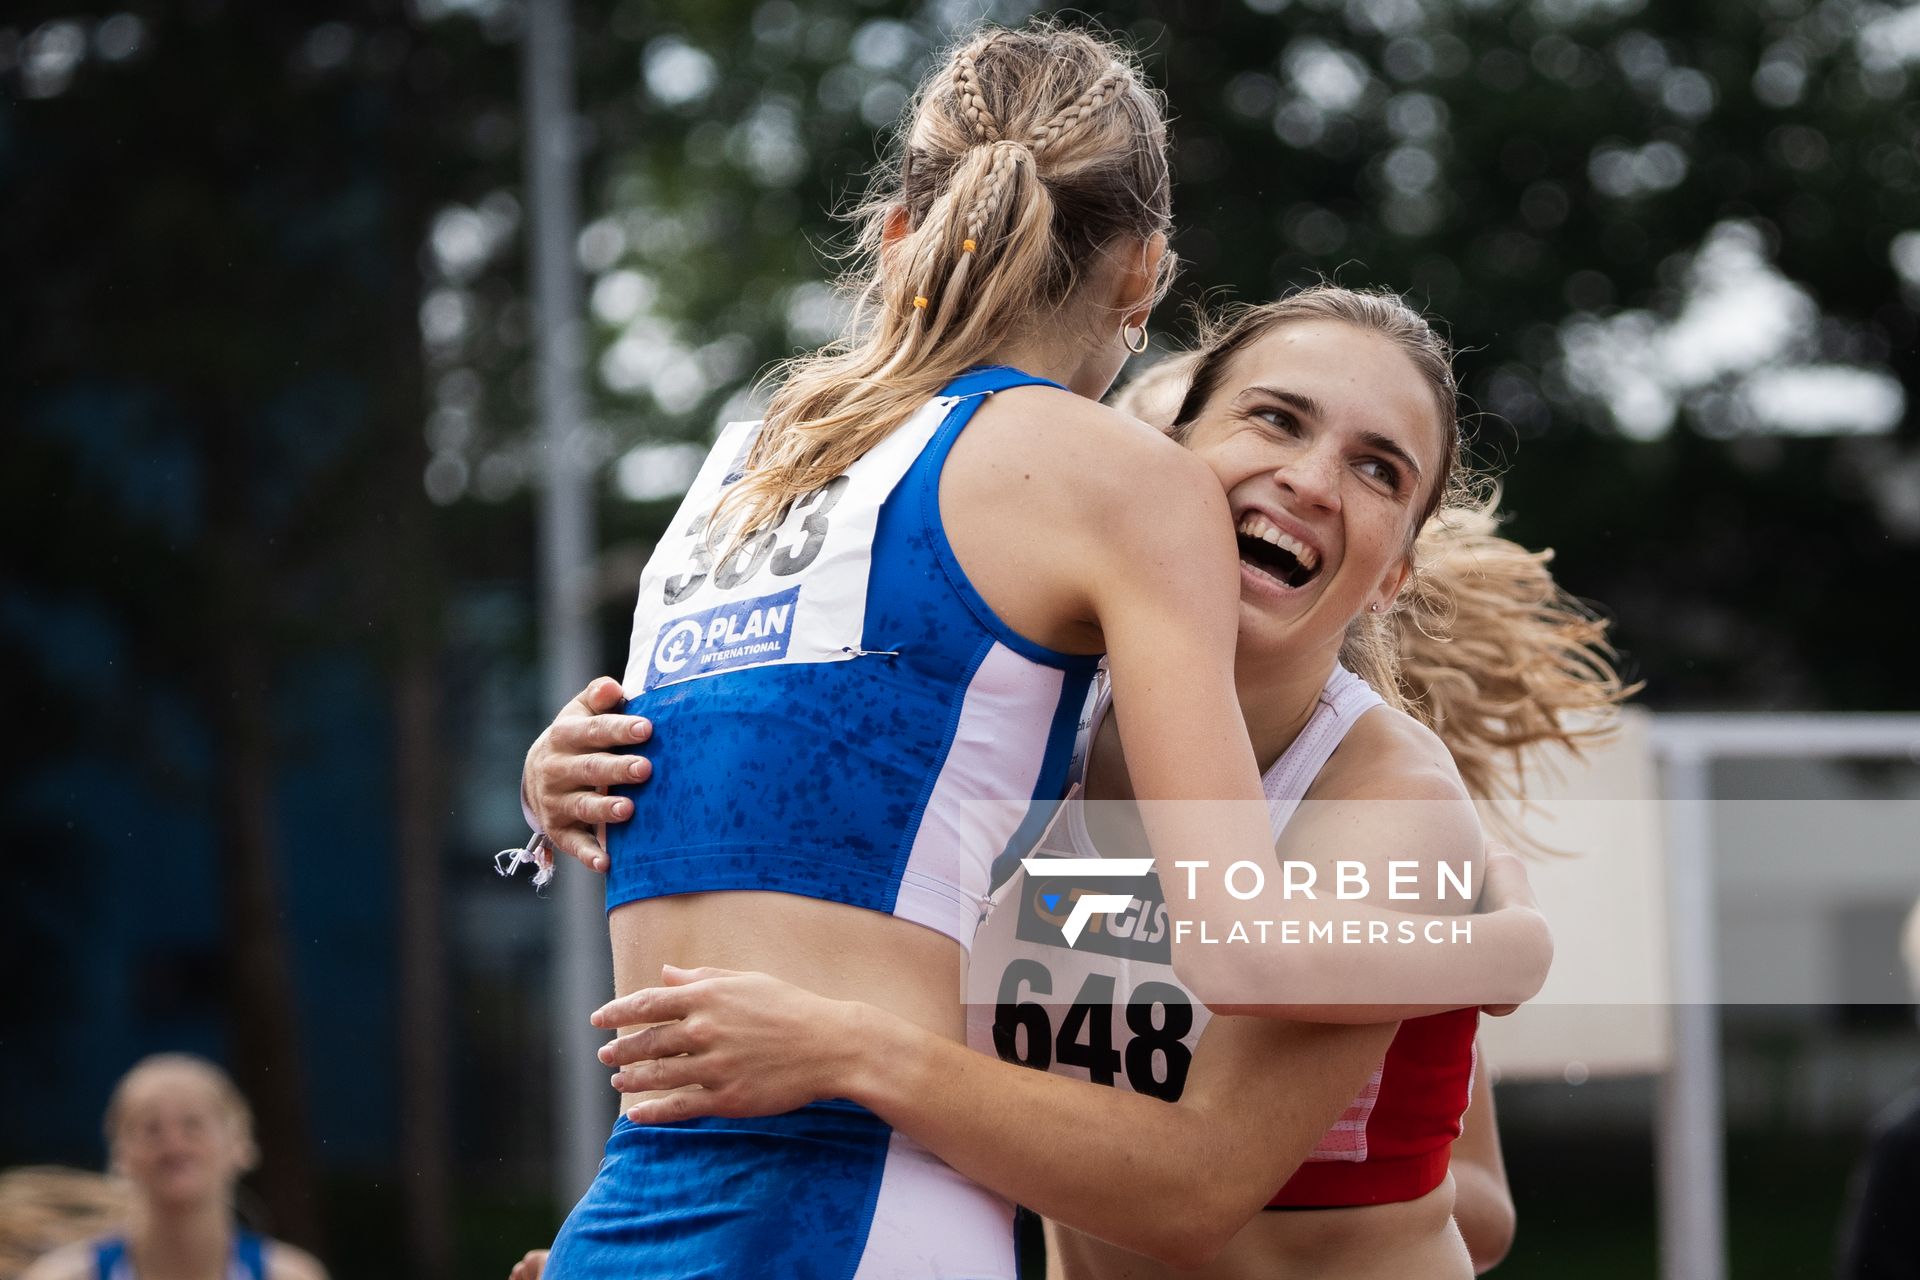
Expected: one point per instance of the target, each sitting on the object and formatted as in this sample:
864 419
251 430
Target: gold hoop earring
1126 336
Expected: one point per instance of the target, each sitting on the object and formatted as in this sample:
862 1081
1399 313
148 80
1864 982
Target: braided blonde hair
1482 645
970 100
1019 161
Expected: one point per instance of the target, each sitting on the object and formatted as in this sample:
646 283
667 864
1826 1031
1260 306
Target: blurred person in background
180 1134
1882 1237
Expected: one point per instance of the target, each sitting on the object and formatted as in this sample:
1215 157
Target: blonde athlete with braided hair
865 639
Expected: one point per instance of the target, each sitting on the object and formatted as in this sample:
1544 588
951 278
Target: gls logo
1088 905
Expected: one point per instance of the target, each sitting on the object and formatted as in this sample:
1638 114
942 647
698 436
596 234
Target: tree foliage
1588 193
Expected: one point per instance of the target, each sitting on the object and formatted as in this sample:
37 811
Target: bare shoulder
1093 451
1391 794
1389 755
1068 515
1051 410
70 1262
285 1262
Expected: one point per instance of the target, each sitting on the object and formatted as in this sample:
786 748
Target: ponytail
44 1207
1020 160
1487 650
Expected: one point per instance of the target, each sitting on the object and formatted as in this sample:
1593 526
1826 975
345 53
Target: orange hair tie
920 304
966 246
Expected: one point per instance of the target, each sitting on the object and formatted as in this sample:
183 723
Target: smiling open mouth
1279 555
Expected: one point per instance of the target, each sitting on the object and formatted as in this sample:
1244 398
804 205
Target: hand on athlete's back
572 763
530 1266
755 1045
1504 884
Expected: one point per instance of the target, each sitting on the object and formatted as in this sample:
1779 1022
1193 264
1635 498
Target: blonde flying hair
1482 645
1019 161
44 1207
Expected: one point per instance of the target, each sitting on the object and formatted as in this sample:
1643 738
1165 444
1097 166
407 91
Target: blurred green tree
1664 236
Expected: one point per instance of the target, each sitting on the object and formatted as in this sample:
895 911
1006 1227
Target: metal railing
1691 1131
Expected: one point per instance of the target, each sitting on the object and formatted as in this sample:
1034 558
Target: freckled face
1327 441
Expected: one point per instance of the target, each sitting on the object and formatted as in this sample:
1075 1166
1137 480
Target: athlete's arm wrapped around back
1171 1180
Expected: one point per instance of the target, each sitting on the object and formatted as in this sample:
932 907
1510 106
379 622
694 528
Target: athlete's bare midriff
839 951
1372 1242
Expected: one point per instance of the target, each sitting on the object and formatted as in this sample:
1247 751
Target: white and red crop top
1109 1008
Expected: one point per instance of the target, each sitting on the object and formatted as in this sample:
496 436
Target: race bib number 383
795 592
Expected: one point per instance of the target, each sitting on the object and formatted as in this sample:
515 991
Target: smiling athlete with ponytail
864 642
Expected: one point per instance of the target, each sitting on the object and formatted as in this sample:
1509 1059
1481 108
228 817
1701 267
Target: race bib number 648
1151 1052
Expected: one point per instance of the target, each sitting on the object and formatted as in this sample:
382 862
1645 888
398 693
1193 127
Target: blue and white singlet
839 715
111 1260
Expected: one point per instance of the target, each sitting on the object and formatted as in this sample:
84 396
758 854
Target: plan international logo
740 633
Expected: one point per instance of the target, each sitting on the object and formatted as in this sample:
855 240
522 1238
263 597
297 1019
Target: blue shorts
828 1192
